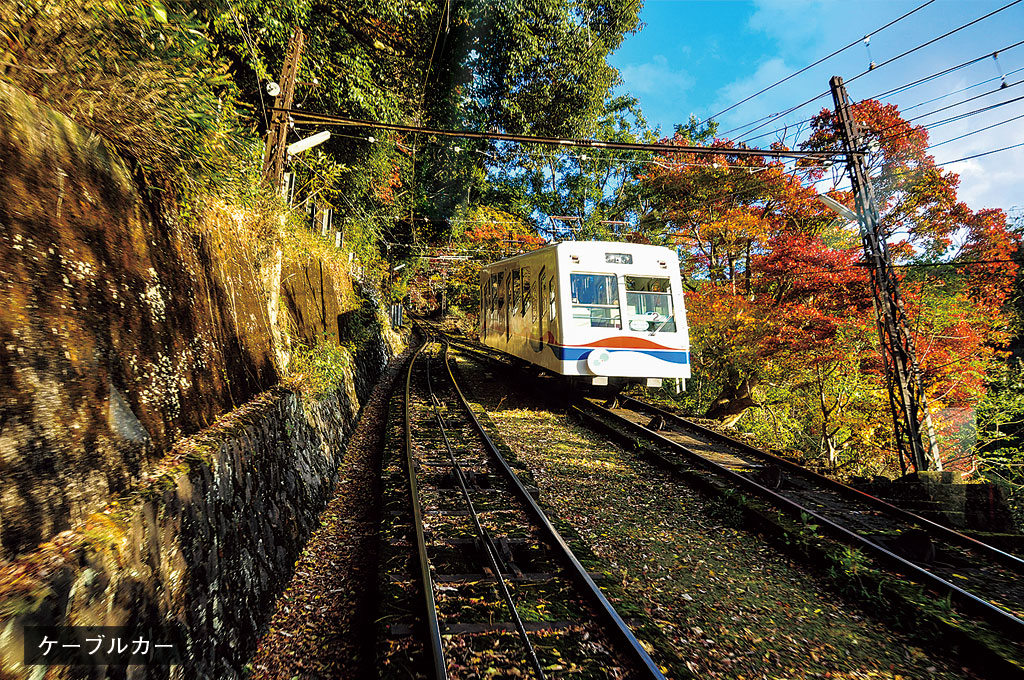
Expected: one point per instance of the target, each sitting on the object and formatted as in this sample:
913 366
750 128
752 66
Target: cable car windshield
649 304
595 300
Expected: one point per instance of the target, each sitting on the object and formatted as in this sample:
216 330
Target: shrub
143 78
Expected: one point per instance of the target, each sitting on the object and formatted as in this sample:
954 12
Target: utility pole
903 376
277 135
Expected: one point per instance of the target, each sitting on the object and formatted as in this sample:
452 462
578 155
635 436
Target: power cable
249 42
951 119
963 89
933 40
328 119
979 155
869 70
823 59
946 108
909 265
905 87
964 101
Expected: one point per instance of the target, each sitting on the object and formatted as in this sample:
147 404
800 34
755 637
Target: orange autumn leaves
778 295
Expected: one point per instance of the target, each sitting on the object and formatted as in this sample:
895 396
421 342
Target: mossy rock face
120 331
207 541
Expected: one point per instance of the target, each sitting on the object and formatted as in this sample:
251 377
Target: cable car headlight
618 258
597 359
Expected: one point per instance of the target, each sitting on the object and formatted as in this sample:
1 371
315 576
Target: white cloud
654 76
791 34
796 21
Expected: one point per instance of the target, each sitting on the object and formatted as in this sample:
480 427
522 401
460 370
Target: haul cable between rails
482 534
429 603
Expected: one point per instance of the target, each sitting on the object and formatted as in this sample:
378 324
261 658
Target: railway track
477 577
982 581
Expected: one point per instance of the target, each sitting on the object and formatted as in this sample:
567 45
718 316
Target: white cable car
611 313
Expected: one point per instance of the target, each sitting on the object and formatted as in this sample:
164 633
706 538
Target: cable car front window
595 301
649 304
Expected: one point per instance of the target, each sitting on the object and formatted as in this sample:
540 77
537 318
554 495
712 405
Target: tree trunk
733 401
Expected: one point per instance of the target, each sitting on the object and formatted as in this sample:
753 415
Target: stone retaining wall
206 543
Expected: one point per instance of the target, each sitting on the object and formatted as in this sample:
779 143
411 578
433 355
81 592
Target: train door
552 307
537 312
498 304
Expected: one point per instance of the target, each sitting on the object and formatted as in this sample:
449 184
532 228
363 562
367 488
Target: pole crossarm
327 119
907 399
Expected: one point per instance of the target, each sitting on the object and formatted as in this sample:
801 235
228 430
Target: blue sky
700 56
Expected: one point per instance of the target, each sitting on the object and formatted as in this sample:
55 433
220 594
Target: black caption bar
103 646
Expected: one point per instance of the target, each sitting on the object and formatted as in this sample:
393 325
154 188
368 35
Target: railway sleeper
979 645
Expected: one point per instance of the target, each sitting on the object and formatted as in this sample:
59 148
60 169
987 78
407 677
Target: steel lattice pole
907 400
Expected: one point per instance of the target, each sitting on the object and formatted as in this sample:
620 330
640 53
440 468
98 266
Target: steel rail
1006 559
429 603
618 627
991 612
483 534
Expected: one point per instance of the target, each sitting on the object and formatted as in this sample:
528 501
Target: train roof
565 248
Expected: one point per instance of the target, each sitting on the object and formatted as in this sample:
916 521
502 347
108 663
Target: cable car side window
595 300
527 292
649 304
552 307
517 290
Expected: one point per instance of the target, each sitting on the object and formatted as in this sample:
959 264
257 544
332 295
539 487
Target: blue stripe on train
577 353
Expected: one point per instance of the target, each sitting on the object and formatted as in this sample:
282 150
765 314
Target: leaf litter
731 606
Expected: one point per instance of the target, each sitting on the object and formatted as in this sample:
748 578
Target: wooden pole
277 135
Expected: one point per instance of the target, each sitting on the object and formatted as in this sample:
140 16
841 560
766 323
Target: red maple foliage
779 297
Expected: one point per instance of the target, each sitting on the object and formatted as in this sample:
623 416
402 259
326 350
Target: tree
958 312
723 212
780 308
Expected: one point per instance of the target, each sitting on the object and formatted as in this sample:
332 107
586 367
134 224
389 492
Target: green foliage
850 562
1000 432
595 185
541 63
138 73
320 369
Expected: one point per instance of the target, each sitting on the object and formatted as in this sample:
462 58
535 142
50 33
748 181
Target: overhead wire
322 118
908 86
249 42
869 70
945 121
955 118
962 89
965 101
328 119
810 66
970 62
979 155
863 266
934 40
